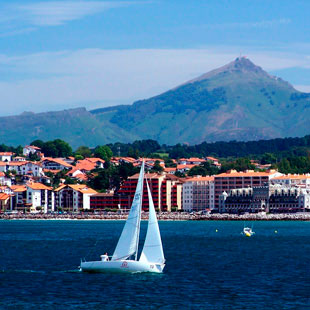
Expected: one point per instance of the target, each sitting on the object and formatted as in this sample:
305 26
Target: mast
128 242
140 207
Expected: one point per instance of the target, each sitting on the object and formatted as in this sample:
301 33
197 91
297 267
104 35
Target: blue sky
64 54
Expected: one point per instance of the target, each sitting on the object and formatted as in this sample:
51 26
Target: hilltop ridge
238 101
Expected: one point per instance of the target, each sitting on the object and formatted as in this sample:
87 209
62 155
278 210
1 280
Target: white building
40 196
6 156
300 180
30 149
4 180
55 164
25 168
198 194
73 197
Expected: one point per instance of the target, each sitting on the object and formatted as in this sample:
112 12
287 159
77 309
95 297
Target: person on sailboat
105 257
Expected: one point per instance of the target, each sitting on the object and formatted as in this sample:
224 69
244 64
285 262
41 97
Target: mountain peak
241 64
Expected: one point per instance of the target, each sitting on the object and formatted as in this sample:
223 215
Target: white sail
128 242
152 249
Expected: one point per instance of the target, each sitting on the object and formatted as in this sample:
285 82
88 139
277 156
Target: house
184 168
31 149
127 160
19 198
31 168
169 170
19 158
39 197
191 161
50 163
4 180
5 202
75 173
85 165
73 197
299 180
213 161
6 156
25 168
99 163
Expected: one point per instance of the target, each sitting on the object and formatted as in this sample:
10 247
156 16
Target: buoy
275 231
216 230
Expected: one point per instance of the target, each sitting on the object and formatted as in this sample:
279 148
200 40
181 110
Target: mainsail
152 249
128 242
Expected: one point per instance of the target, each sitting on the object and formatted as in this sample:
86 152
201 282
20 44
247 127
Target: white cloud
26 17
261 24
55 13
97 78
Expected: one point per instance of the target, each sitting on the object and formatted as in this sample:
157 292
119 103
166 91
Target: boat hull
127 266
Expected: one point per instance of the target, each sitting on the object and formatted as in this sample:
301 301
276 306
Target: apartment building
73 197
166 193
269 198
198 193
39 197
232 179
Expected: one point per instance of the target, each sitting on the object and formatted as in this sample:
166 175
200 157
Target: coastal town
26 187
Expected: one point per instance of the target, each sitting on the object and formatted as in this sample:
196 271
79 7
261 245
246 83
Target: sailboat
125 256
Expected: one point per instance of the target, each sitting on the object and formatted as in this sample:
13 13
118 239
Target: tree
268 158
33 157
179 174
157 167
197 170
78 157
38 143
169 162
83 151
64 149
103 152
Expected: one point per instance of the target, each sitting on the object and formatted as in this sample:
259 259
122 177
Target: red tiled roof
185 166
85 165
250 173
212 158
95 159
18 188
197 179
292 177
59 161
4 196
6 154
52 171
33 147
38 186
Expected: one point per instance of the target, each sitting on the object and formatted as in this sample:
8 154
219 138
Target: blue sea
210 265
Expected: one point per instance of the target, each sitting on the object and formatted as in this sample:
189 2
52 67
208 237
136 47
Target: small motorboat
248 232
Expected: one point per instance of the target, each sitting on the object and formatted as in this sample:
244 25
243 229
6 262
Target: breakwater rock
165 216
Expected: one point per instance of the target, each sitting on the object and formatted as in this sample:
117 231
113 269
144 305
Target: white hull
130 266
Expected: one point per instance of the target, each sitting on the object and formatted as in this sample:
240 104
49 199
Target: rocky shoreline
164 216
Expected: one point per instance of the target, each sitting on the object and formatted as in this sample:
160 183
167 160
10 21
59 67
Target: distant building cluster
25 187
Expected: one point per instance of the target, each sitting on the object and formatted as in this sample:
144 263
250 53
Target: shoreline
174 216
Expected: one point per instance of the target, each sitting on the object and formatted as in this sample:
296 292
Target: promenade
165 216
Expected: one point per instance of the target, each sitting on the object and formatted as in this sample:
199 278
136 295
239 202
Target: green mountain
76 126
239 101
